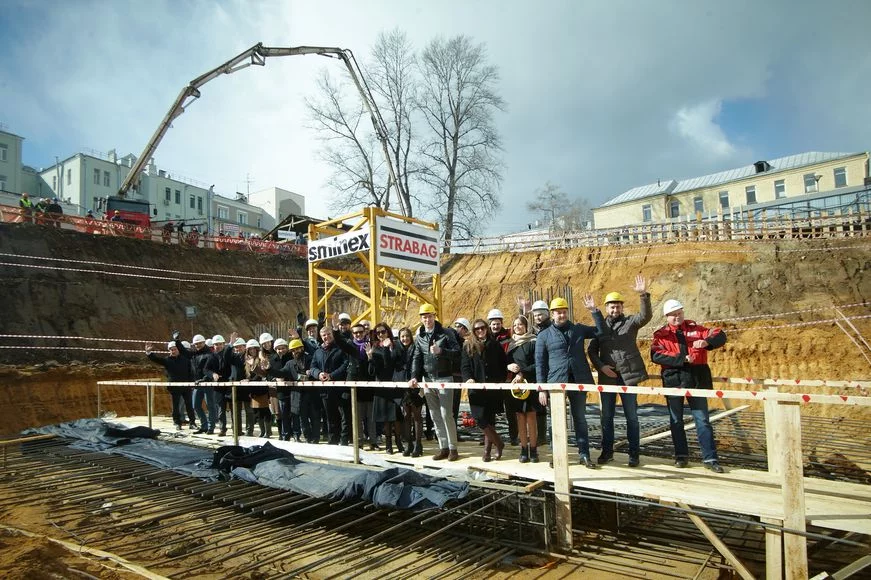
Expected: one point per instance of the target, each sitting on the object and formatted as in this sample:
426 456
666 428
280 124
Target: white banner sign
341 245
407 246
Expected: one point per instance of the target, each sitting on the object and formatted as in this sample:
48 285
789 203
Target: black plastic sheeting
267 465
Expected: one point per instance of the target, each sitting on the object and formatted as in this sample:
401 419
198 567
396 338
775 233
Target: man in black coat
178 370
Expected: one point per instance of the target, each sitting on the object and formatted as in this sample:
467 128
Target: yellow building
771 185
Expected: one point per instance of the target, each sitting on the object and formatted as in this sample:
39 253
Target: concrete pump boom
257 55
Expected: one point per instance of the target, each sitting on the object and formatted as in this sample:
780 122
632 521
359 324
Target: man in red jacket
681 349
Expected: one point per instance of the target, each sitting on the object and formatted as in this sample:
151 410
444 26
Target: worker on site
434 352
615 354
178 370
681 349
560 357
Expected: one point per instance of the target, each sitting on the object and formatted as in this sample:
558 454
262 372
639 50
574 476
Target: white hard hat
209 342
218 339
670 306
539 305
345 316
465 322
279 342
310 322
252 344
198 338
170 345
265 337
495 313
185 344
239 342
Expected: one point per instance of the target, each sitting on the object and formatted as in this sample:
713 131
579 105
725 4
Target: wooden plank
773 549
772 443
718 544
789 438
562 484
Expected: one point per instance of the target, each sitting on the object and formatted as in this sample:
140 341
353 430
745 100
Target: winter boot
418 449
524 454
533 454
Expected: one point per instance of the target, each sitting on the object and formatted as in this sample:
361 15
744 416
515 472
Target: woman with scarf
256 370
525 403
412 400
386 405
360 353
483 360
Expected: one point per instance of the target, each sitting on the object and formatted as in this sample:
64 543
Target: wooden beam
772 442
718 543
792 487
773 549
561 483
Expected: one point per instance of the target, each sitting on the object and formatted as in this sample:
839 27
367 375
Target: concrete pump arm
257 55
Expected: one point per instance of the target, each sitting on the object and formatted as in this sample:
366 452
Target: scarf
518 339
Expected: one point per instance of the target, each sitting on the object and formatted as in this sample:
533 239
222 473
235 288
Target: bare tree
392 78
463 168
560 212
350 149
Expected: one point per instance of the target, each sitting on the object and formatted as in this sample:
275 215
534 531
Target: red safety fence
192 239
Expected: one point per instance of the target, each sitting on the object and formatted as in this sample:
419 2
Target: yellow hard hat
295 343
558 303
521 394
613 297
426 309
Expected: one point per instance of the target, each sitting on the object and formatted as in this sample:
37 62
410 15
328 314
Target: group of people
46 210
542 345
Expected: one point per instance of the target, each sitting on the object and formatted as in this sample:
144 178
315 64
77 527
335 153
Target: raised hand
640 284
590 302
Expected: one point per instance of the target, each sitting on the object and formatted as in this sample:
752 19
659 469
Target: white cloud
698 124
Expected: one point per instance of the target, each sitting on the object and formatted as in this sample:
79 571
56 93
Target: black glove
322 317
300 318
176 335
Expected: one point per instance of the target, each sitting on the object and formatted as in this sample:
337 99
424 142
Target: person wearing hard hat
560 357
305 402
311 339
282 366
344 326
243 393
681 349
202 394
540 316
116 216
434 353
178 370
615 354
502 335
218 370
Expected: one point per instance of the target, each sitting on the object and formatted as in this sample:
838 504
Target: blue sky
601 96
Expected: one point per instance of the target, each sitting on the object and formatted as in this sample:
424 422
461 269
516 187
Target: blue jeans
630 411
207 393
578 405
704 431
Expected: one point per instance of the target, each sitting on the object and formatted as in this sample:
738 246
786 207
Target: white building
10 161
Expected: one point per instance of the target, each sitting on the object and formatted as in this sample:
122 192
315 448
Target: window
2 183
699 205
840 177
646 213
69 176
779 189
810 183
258 225
243 218
200 204
168 193
223 213
3 152
724 199
750 190
96 177
106 178
177 197
674 208
192 201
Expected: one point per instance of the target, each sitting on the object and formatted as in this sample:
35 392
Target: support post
773 549
99 401
149 401
355 432
562 484
772 442
792 485
237 417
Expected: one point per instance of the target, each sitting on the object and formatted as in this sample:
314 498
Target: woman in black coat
387 401
482 360
412 401
525 403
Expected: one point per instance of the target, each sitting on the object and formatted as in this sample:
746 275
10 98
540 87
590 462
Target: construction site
790 411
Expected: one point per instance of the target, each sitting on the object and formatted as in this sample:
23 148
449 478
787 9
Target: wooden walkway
828 504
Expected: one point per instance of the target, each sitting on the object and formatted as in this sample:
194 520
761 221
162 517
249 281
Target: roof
780 164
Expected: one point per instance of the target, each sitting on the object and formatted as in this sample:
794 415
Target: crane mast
257 55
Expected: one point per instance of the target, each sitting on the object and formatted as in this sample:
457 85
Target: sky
601 96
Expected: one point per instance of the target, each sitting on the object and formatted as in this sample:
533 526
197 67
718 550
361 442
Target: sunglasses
358 332
477 328
381 331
